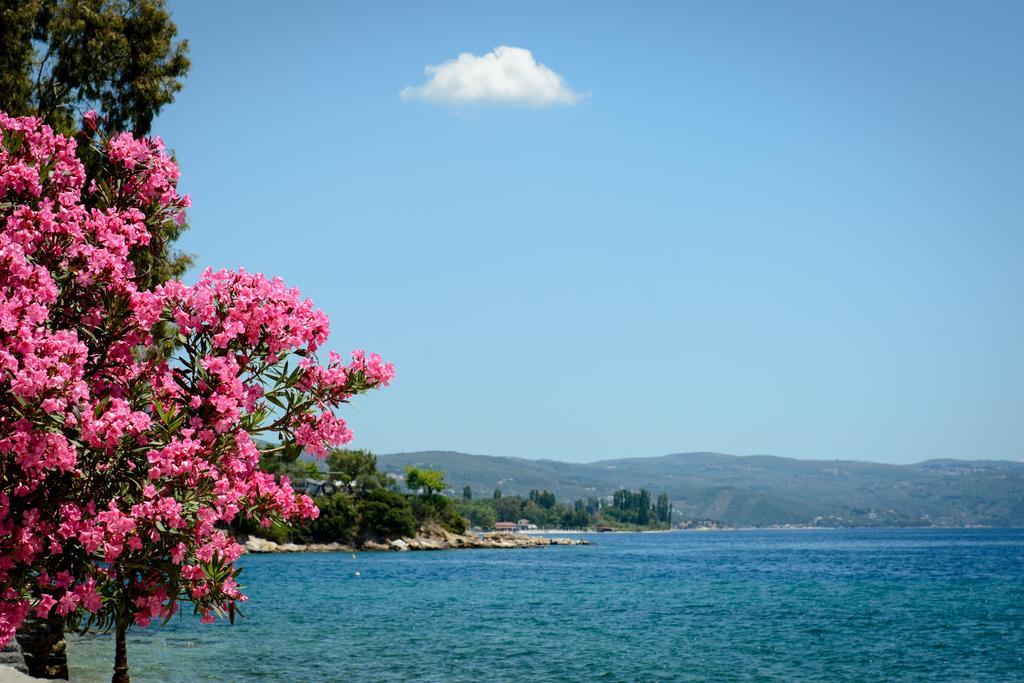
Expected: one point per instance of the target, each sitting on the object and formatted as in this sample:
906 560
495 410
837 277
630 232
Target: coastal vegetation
358 503
628 510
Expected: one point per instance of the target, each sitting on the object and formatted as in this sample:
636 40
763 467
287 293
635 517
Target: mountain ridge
761 490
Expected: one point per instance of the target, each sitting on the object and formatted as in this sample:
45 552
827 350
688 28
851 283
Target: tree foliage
386 514
632 507
427 481
370 508
628 510
544 499
59 58
356 469
478 513
338 520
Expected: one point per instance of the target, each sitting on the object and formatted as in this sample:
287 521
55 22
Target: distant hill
762 490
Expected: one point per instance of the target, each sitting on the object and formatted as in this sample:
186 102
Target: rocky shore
432 539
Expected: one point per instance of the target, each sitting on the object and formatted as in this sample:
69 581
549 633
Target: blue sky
790 228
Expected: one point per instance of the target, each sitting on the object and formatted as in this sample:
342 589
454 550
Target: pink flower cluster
152 174
120 467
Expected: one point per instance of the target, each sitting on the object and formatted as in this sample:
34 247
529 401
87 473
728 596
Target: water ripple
852 605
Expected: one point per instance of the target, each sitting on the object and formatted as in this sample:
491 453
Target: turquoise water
821 605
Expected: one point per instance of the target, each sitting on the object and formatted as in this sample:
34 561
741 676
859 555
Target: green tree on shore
428 481
357 470
663 509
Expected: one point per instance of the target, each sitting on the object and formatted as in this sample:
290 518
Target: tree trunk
43 646
120 656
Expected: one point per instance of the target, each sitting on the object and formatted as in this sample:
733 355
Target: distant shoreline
434 538
570 532
543 532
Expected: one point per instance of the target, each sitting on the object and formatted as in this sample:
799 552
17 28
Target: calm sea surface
821 605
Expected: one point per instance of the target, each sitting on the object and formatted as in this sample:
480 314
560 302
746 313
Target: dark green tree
59 58
478 513
509 508
545 499
17 53
438 509
467 492
338 520
357 469
663 508
575 519
632 507
385 514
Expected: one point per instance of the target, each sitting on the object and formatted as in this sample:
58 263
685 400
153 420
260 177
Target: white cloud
509 76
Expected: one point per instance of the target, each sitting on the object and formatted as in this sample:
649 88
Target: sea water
814 605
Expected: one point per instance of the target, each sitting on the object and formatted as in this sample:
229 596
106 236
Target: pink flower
68 603
88 595
42 608
90 121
